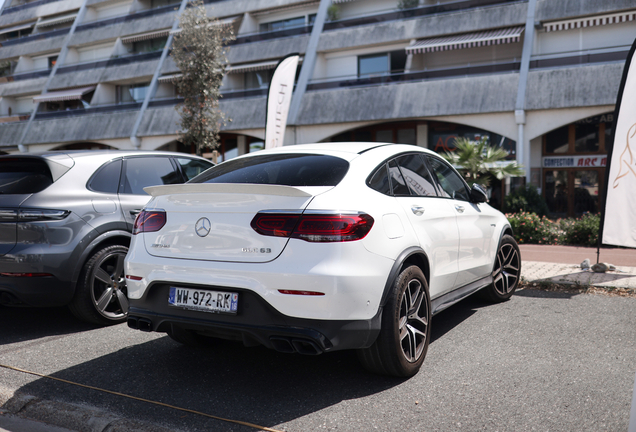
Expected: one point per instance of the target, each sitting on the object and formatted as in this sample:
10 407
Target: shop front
573 166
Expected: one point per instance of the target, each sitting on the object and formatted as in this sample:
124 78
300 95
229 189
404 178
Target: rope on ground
252 425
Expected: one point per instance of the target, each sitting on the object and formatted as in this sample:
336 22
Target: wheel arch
110 238
411 256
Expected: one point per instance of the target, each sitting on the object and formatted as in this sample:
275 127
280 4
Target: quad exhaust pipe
300 346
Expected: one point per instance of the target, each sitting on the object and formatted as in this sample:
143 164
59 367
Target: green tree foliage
526 199
200 54
478 161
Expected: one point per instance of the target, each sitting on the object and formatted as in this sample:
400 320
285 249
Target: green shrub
582 231
533 229
333 12
526 199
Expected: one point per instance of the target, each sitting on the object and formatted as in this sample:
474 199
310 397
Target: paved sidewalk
562 265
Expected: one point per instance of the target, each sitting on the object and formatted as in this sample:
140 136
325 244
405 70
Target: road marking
252 425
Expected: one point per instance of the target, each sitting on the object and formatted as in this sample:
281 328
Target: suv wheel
506 271
401 346
101 296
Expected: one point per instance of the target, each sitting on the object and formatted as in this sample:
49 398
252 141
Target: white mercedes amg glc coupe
316 248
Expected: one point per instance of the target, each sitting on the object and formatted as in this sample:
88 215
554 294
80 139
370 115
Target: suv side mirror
478 194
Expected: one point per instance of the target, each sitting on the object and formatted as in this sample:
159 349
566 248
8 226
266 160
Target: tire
506 271
403 341
101 296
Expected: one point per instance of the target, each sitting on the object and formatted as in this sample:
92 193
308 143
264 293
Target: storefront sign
575 161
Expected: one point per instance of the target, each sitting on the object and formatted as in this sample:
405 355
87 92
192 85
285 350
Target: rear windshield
279 169
24 175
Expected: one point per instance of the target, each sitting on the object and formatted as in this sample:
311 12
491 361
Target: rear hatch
20 178
212 222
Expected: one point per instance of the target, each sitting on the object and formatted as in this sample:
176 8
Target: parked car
66 220
317 248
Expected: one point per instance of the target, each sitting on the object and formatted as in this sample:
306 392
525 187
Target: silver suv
66 220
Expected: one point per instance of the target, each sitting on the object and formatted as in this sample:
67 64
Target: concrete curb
534 271
70 416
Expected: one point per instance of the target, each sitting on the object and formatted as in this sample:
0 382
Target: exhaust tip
282 344
306 347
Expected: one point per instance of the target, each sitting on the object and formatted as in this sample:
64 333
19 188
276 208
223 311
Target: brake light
26 274
32 215
149 221
314 227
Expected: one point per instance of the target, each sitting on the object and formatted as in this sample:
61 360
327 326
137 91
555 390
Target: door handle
417 210
135 212
459 208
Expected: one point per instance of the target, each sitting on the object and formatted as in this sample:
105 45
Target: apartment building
537 77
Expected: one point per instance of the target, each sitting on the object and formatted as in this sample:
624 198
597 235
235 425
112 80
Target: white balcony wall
467 56
24 104
249 24
95 52
582 39
165 90
365 7
344 64
25 63
105 94
72 56
109 10
41 62
7 106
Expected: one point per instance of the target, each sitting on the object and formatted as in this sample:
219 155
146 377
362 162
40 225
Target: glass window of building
375 64
288 23
558 141
586 137
257 79
131 93
161 3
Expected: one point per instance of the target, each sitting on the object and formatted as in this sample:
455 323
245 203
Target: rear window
279 169
24 176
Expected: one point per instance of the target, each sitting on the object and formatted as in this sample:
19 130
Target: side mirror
478 194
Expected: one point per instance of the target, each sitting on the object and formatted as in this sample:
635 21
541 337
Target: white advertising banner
278 100
619 217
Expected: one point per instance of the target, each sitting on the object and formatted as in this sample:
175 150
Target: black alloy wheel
506 271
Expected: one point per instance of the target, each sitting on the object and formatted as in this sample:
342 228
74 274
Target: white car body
454 241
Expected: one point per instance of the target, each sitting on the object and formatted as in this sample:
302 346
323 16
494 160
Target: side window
148 171
106 179
398 184
416 175
451 183
380 180
193 167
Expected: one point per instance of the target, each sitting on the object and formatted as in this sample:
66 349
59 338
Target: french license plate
203 300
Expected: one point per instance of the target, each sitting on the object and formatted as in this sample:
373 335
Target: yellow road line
252 425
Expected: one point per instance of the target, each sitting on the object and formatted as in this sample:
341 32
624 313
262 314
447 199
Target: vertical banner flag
618 226
278 100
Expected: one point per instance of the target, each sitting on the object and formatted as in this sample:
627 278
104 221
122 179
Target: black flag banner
618 221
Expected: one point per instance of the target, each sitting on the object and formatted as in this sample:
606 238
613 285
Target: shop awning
467 40
72 94
225 22
169 78
16 28
251 67
57 20
145 36
590 21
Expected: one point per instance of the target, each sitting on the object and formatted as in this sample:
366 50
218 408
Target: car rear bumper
256 322
35 291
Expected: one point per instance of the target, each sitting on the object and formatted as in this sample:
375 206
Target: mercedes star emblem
202 227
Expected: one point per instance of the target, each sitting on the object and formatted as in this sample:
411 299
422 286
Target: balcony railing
35 37
20 7
417 76
86 111
127 17
129 59
257 37
15 118
414 13
579 59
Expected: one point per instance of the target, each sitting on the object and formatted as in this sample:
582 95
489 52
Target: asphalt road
542 361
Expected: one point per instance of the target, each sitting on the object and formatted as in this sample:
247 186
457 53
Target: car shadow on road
226 379
20 324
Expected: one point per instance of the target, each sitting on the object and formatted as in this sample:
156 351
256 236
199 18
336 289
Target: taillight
314 227
32 215
149 221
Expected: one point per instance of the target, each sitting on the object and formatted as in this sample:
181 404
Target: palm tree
478 162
